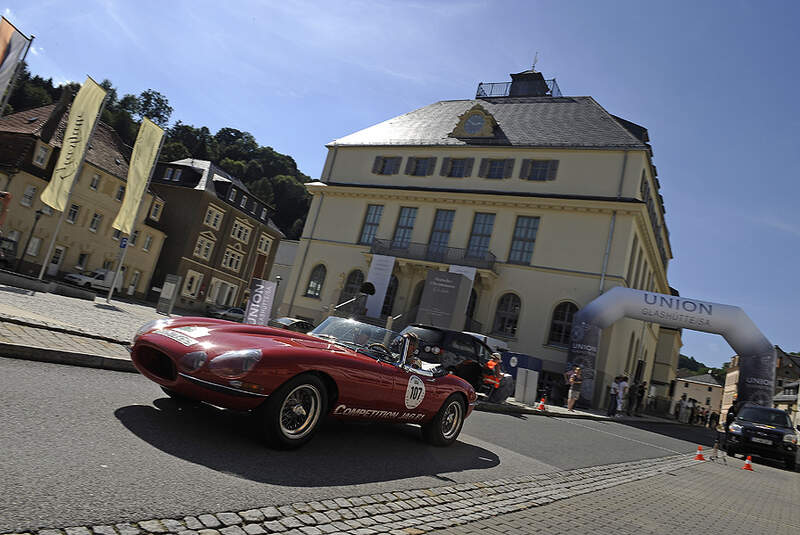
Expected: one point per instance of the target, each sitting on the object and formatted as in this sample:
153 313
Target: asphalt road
83 446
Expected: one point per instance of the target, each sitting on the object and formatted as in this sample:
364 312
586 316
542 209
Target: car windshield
376 342
764 416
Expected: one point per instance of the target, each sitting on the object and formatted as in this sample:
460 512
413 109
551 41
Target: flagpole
17 69
138 207
78 171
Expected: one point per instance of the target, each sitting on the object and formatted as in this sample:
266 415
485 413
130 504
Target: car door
416 393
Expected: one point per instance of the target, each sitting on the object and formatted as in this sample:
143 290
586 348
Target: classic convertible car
291 381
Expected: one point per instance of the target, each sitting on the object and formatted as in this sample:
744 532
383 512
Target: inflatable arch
757 356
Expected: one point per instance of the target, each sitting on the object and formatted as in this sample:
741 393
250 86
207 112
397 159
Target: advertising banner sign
143 159
81 121
12 45
259 306
380 271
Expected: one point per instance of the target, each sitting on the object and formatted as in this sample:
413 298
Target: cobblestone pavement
708 498
119 320
413 512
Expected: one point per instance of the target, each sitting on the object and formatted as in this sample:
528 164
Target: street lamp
36 218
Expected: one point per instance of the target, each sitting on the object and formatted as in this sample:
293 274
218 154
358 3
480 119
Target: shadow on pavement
702 436
13 290
108 307
340 453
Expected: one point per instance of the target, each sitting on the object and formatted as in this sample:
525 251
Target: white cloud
36 50
774 223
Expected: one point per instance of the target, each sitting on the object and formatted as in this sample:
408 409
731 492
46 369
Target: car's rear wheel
731 452
445 427
292 414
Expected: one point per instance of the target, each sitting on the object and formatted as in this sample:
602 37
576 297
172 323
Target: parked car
230 314
99 279
291 324
8 253
762 431
290 381
458 352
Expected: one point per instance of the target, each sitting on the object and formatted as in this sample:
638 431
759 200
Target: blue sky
714 83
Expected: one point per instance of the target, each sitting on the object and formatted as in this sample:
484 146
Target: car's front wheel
791 463
445 427
292 414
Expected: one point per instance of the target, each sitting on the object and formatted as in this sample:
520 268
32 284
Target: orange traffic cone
747 465
541 405
699 456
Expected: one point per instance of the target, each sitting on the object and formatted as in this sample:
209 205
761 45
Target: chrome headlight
235 363
191 362
790 438
150 326
736 429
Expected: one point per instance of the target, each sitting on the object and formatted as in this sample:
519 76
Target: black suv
764 432
460 353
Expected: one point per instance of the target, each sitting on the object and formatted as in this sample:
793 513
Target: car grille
156 362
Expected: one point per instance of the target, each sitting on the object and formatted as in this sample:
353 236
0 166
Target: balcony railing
434 253
503 89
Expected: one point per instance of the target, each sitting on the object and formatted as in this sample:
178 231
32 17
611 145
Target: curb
503 408
43 354
75 332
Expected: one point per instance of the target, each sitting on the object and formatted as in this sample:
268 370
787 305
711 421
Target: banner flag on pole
12 45
145 152
82 117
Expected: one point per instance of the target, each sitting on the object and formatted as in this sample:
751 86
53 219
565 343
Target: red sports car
291 381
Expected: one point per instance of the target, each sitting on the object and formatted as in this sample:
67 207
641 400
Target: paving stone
104 530
80 530
208 532
303 507
271 513
188 532
252 515
308 520
290 522
192 523
273 526
343 502
330 504
254 529
318 507
333 515
232 530
173 525
229 519
209 521
124 528
311 530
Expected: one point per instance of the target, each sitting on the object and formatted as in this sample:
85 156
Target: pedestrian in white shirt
622 393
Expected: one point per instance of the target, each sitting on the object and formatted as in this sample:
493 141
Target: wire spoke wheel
300 411
451 419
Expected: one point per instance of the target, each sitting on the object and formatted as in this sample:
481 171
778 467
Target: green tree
154 106
234 167
262 188
174 150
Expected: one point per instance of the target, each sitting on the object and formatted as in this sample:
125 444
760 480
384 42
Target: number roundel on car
415 392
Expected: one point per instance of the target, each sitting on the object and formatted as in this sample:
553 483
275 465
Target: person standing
575 382
640 392
622 393
613 393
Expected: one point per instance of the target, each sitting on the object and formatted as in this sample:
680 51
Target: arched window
505 319
352 285
315 281
388 301
561 325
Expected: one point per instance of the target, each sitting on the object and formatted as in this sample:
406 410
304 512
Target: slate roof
556 122
106 149
705 379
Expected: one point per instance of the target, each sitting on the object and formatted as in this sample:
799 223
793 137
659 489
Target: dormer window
232 195
41 156
168 173
243 204
177 176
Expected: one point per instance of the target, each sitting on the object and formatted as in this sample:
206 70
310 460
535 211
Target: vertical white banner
468 272
380 271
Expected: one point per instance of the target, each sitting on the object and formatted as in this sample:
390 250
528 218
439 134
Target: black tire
790 463
445 427
291 415
730 451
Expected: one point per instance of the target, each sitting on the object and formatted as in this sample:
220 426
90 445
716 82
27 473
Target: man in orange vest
502 384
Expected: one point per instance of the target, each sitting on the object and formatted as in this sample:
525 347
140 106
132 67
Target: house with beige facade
703 389
29 145
219 240
787 370
546 200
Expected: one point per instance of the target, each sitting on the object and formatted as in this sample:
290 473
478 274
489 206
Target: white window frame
215 216
232 260
168 173
264 243
243 202
72 218
191 286
201 245
177 176
95 182
42 155
232 194
80 266
116 234
148 242
95 222
34 245
241 231
155 211
132 238
120 194
28 196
